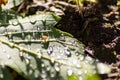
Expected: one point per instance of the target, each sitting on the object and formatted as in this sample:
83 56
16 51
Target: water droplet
8 56
52 74
75 61
30 71
1 76
42 65
88 58
4 51
1 73
59 49
43 74
39 53
48 68
52 60
80 78
75 43
81 57
62 37
33 35
28 46
21 53
28 56
27 61
67 52
10 37
69 72
57 68
38 28
23 35
79 72
50 50
85 71
76 53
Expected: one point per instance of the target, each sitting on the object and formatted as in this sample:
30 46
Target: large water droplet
50 50
69 72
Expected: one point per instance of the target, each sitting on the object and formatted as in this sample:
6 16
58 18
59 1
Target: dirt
98 28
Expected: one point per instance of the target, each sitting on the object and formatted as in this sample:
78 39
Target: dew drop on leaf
80 78
42 65
48 68
57 68
8 56
38 53
79 72
69 72
50 50
81 57
1 73
23 35
43 74
52 60
4 51
21 53
62 37
27 61
52 74
67 52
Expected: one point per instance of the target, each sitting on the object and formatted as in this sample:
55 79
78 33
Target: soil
97 25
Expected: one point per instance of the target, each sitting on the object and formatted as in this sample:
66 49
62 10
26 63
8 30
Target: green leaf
36 50
118 2
73 77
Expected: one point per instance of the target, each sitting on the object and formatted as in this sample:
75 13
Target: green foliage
118 2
